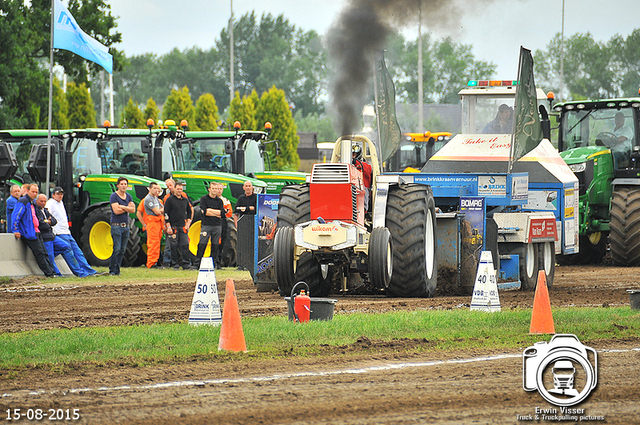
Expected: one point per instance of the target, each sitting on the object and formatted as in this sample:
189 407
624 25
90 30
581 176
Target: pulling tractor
328 237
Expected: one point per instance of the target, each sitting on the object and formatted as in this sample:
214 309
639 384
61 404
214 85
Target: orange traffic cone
541 318
231 334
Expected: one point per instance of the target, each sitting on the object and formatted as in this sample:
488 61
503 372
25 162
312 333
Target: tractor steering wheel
607 139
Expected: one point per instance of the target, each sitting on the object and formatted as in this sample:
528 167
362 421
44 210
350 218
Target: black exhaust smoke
360 33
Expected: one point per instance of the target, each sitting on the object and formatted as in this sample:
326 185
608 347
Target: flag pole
50 101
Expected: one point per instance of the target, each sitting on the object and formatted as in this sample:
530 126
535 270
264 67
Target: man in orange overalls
154 222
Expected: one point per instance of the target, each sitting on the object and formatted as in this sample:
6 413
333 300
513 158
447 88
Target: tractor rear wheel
411 220
625 227
294 207
97 243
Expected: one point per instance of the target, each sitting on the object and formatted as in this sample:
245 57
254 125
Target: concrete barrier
17 260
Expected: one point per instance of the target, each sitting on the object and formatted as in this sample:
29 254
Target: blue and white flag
68 35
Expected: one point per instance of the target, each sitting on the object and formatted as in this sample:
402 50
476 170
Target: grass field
273 336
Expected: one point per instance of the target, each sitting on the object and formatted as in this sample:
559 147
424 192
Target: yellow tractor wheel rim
194 239
100 240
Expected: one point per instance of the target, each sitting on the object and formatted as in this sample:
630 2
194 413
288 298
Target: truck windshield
481 114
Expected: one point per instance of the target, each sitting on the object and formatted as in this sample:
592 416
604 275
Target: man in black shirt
246 203
178 214
213 218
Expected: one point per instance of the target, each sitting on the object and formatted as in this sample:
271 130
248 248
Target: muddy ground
365 382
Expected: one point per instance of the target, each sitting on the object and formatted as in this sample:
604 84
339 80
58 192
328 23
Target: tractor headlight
578 168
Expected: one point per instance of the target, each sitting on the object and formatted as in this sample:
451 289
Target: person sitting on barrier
26 227
52 244
14 195
61 229
502 123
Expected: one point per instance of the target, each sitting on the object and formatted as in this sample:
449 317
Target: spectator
166 260
121 206
178 214
53 244
56 207
11 204
26 227
24 189
225 227
246 202
213 217
153 223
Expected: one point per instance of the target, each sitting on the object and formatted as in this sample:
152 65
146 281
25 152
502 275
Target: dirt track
204 392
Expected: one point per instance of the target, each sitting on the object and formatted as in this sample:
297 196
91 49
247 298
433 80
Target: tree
315 123
206 113
447 66
24 55
179 106
60 114
133 117
82 113
275 52
273 107
592 69
151 111
244 111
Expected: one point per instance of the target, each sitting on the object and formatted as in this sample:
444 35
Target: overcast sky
495 28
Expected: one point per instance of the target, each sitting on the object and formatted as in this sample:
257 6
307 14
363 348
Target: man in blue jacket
11 204
26 227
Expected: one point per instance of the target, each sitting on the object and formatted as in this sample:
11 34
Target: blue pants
86 269
120 236
57 247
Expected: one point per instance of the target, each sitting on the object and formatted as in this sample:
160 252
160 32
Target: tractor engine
337 193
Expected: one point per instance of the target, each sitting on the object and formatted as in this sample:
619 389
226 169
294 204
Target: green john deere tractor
86 164
598 139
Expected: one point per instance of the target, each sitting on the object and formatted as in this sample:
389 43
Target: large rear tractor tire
411 220
97 243
294 207
624 233
230 246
